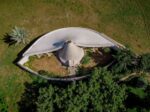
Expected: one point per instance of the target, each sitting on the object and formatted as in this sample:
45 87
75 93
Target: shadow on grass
7 39
29 98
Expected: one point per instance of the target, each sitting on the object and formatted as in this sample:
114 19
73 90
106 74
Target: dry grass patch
50 64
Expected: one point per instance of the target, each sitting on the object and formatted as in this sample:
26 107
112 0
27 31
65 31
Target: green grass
48 74
125 21
86 59
29 62
138 92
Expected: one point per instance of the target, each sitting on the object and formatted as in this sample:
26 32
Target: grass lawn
125 21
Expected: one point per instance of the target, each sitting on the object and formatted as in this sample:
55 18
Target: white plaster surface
55 40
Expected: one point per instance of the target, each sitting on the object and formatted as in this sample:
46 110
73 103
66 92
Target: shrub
145 62
29 62
106 50
124 61
89 51
19 35
99 94
86 59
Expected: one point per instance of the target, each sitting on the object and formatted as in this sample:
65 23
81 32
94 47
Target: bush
19 35
29 62
89 51
86 59
145 62
99 94
106 50
137 109
124 61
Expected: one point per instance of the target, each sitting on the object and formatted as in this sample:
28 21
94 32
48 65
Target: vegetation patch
87 57
145 62
96 57
47 65
50 66
91 95
49 74
3 105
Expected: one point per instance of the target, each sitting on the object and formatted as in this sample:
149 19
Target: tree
125 61
100 93
28 99
145 62
19 35
87 57
138 98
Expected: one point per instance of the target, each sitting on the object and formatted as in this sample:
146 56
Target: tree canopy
124 61
145 62
101 92
98 94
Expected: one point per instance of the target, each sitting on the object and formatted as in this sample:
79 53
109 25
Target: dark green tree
125 61
98 94
138 95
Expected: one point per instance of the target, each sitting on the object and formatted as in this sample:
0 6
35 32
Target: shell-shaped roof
71 54
55 40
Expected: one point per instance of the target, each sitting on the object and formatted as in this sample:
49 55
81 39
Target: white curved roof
55 40
71 54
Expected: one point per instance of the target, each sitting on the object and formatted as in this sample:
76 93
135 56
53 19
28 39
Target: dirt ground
50 64
53 65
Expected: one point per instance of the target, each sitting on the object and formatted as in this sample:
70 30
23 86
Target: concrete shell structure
55 41
71 54
82 37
